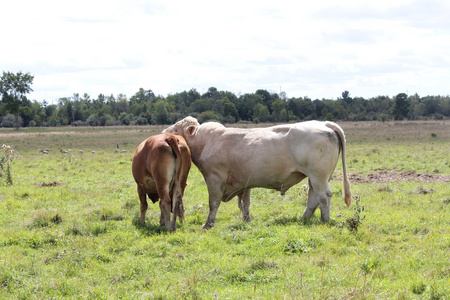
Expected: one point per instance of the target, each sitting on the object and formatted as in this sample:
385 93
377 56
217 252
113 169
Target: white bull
234 160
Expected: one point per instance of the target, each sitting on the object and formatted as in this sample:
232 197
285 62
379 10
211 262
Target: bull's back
274 156
153 163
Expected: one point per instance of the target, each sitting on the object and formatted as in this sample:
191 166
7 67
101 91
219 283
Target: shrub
79 123
10 121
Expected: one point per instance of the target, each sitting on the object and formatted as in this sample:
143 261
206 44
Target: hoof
207 226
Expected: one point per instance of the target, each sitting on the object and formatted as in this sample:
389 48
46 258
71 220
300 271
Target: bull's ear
191 129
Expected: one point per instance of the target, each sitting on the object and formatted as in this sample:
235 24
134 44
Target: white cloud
318 49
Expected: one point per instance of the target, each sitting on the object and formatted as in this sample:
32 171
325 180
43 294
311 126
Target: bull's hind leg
144 204
319 195
312 203
165 204
165 207
244 205
180 209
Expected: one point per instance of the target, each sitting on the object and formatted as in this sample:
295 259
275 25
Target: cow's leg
244 204
144 204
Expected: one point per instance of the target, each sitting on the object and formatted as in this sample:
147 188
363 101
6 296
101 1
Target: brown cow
160 168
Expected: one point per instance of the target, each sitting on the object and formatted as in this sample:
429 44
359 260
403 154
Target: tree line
145 107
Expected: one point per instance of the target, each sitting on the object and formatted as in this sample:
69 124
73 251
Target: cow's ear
191 129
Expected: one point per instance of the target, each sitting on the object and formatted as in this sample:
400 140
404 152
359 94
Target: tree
161 113
13 88
230 112
277 106
247 104
260 113
301 108
267 99
346 97
212 93
401 107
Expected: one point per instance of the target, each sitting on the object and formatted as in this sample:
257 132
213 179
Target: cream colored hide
234 160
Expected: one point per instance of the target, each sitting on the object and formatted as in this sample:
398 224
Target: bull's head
183 127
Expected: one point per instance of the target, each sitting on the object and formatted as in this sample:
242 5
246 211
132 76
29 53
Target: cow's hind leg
244 205
144 204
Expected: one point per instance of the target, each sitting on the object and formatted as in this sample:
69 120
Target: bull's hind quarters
157 162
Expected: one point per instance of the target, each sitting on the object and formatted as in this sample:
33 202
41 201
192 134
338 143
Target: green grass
79 237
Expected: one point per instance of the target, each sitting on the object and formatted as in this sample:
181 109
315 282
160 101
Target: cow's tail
177 204
345 182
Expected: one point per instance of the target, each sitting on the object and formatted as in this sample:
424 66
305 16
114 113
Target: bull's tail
345 182
177 204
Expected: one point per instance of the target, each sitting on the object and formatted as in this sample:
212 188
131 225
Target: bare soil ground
394 175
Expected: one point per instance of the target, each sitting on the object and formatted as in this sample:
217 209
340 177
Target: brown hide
160 168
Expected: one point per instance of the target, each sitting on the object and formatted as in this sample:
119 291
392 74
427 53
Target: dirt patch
53 183
394 175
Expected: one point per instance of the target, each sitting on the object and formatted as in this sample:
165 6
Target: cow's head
185 127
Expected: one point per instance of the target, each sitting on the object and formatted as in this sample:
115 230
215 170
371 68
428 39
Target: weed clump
44 218
295 246
418 288
6 158
353 223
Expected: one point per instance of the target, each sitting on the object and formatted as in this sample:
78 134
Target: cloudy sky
314 48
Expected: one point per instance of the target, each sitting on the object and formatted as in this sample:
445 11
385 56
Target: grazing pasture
69 224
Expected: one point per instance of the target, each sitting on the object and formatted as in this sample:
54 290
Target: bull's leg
165 204
325 203
180 209
244 204
173 222
319 194
144 204
165 207
213 207
215 197
311 204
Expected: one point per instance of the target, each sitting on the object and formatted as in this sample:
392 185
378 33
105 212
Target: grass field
69 224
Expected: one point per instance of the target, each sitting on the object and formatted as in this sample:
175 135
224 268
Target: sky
316 49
